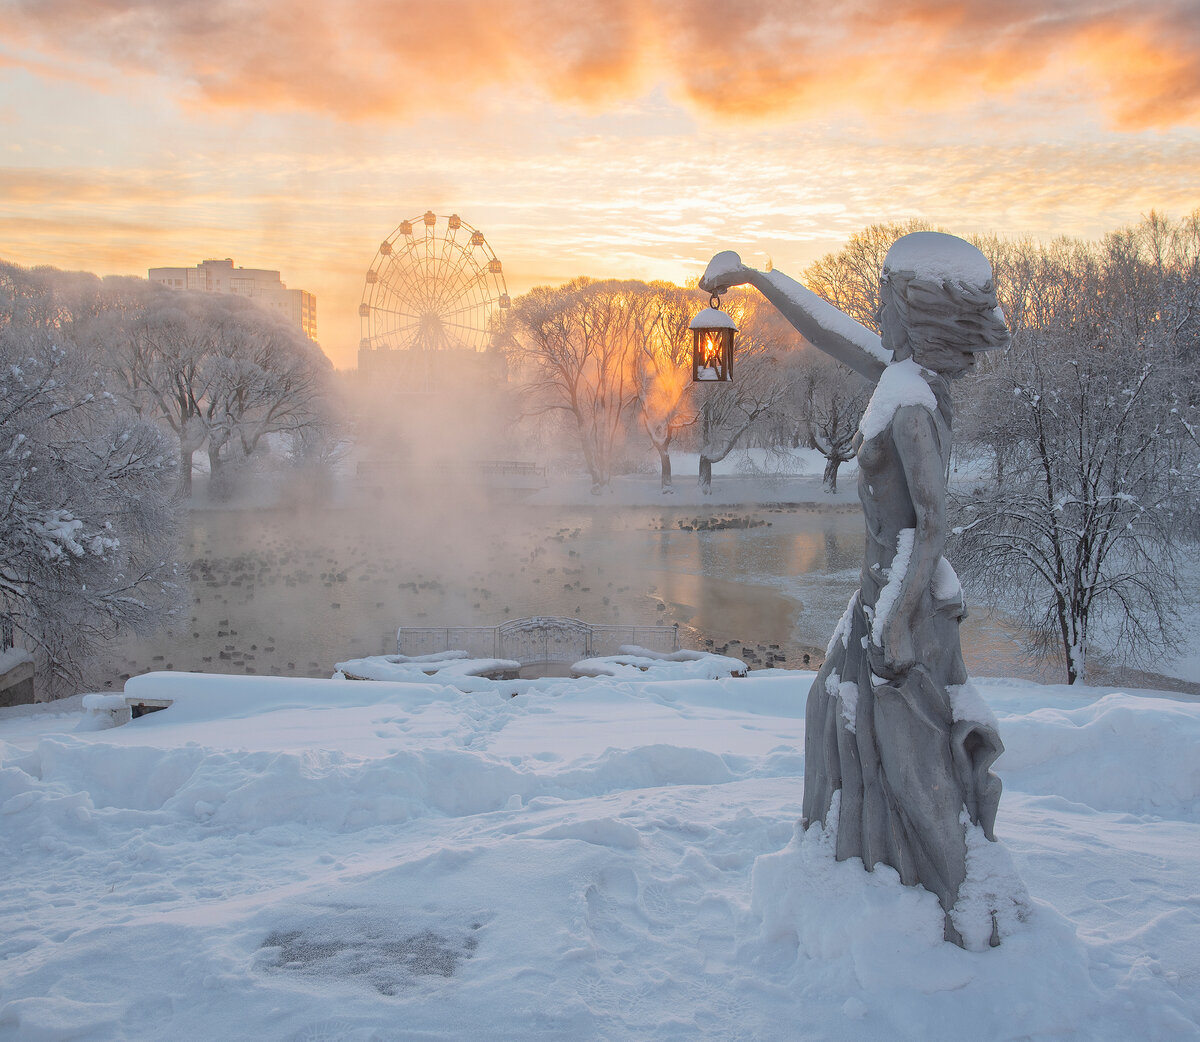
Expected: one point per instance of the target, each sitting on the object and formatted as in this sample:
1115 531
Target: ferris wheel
434 286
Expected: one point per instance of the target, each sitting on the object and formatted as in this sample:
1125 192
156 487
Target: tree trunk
706 475
1064 627
218 486
592 463
664 459
831 473
185 471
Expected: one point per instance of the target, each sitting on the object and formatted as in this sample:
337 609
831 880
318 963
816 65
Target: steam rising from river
297 573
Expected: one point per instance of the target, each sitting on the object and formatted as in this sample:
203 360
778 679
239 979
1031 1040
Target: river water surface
292 592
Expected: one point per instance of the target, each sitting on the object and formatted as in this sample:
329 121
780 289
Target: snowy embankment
746 476
594 859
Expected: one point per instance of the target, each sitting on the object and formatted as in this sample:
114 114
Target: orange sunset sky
629 139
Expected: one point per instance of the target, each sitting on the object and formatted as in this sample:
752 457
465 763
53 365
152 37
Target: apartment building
220 276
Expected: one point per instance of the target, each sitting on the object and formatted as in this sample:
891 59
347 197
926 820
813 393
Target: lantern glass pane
710 353
714 347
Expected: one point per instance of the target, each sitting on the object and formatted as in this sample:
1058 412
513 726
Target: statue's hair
946 312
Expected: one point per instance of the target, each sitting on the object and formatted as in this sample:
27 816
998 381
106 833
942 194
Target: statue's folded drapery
902 796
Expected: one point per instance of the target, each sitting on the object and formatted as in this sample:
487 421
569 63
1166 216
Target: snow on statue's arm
916 441
818 321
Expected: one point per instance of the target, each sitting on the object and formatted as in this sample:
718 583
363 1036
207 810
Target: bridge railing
535 640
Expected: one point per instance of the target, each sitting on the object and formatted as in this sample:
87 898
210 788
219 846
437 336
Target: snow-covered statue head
937 303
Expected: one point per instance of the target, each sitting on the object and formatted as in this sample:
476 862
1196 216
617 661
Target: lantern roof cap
712 318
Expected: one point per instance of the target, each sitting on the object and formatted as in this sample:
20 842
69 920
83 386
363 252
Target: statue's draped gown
874 733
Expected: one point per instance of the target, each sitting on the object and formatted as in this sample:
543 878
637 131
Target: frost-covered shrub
86 514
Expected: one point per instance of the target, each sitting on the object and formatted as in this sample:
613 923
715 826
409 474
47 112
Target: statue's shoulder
901 387
918 424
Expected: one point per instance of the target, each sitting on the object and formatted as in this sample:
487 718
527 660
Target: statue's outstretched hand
724 270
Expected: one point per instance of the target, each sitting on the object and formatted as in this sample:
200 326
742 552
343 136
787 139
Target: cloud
763 59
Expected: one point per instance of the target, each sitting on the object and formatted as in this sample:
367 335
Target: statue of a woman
892 724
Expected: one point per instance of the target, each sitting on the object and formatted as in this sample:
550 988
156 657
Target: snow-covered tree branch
1090 509
86 514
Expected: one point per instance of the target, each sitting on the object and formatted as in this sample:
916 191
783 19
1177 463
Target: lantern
712 344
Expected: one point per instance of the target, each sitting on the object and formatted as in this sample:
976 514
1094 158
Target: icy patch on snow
361 945
901 384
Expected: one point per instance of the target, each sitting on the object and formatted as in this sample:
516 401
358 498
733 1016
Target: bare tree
834 400
262 377
155 346
1083 529
572 345
86 515
661 368
849 278
216 369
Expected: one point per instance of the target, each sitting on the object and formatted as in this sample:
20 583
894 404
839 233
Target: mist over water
292 591
293 576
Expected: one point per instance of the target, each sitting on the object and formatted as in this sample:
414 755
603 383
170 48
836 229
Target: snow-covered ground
601 859
745 476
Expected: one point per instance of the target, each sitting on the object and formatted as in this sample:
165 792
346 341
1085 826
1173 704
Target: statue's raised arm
818 321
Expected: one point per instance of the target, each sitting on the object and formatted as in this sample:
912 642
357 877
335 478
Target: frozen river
291 592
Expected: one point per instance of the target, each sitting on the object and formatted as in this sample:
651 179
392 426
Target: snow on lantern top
712 344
